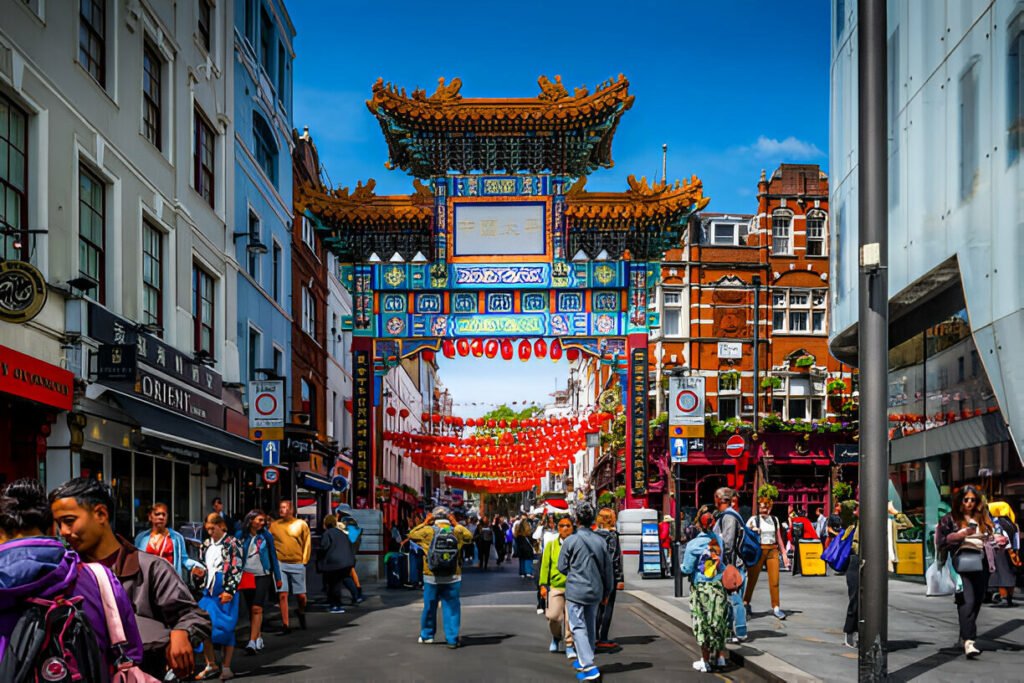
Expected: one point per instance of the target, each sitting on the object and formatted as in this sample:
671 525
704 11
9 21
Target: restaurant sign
34 380
22 291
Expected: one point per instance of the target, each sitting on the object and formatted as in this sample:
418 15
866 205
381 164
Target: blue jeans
737 612
448 595
525 566
583 624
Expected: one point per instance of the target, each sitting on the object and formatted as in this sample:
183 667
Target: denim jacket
182 562
696 554
268 556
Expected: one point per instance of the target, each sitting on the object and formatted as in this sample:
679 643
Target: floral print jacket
231 551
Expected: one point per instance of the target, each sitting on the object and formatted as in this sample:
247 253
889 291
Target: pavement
808 645
504 639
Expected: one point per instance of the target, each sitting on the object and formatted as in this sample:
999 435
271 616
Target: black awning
190 435
315 482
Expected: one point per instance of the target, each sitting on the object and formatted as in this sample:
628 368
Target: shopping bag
837 554
938 580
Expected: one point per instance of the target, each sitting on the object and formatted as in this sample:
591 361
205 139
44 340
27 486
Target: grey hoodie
587 565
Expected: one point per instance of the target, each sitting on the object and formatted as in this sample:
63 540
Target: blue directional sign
271 453
679 450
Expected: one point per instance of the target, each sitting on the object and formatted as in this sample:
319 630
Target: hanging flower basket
804 361
836 386
768 492
771 382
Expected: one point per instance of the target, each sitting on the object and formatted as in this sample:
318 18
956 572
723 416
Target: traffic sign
266 405
696 446
267 434
686 401
271 453
679 448
735 445
271 475
689 431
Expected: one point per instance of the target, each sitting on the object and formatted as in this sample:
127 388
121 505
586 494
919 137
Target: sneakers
570 652
553 647
259 644
426 641
285 630
337 610
701 666
779 614
850 639
250 648
721 663
736 640
606 645
591 674
453 646
226 674
578 665
970 650
540 610
360 600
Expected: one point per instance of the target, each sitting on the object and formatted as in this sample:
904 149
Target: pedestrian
693 529
589 579
499 539
770 529
524 548
1007 556
335 560
294 547
542 535
36 566
221 573
164 542
606 519
704 564
441 539
968 535
470 548
552 588
170 622
729 527
834 525
850 519
261 573
665 544
217 506
484 539
510 540
820 524
800 528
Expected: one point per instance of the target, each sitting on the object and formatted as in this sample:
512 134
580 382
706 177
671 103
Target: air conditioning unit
674 358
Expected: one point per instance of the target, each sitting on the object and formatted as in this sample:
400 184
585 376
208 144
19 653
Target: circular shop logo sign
22 291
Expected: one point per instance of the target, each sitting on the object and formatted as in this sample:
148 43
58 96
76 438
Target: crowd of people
145 608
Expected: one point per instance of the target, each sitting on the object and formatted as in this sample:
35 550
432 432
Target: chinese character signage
638 418
362 442
116 363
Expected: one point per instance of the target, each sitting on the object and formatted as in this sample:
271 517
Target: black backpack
487 534
53 641
443 555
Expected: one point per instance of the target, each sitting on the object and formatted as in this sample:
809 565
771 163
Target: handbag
223 616
939 580
732 579
248 581
127 670
968 561
837 554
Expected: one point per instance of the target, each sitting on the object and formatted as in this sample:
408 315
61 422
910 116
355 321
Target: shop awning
315 482
166 426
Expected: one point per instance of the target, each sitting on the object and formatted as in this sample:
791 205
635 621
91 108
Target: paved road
504 640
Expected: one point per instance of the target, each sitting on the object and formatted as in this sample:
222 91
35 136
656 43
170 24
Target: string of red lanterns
490 348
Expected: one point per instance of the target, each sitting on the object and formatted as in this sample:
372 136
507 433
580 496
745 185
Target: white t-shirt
766 525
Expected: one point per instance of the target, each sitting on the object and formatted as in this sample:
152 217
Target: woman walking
967 534
606 529
849 517
1007 556
770 529
222 571
499 539
524 549
162 541
335 560
261 573
709 603
484 539
552 588
544 534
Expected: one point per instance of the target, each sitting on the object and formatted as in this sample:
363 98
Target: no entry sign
734 446
266 404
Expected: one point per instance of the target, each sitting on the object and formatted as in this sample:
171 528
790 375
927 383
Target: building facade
956 115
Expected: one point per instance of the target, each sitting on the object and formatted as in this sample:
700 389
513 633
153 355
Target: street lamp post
757 347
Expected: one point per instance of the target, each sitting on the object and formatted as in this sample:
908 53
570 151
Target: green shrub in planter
835 386
842 491
804 361
771 382
767 491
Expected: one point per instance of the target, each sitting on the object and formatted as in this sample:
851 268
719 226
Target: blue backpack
748 542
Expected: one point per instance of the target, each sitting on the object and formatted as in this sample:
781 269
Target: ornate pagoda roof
361 207
642 205
553 132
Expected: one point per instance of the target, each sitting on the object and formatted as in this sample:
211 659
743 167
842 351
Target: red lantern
462 346
491 424
491 348
403 413
513 423
428 356
540 348
506 349
556 350
448 348
477 348
425 417
391 411
572 355
435 418
524 350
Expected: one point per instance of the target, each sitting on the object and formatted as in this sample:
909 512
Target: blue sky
732 87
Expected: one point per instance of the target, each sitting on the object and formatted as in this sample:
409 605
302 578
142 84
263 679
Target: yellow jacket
291 541
423 534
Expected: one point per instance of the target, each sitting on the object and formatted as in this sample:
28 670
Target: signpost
266 410
686 406
271 453
271 475
679 450
735 446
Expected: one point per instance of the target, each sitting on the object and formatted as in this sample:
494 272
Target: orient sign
180 399
22 291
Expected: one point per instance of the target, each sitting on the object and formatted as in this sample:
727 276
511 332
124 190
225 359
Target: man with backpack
169 620
740 550
441 539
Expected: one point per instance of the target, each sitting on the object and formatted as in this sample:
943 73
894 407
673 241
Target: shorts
293 579
258 596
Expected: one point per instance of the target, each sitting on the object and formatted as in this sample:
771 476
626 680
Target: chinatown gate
499 240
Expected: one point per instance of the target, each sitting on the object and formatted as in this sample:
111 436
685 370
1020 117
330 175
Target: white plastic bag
939 580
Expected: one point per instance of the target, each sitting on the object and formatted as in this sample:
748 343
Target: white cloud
789 148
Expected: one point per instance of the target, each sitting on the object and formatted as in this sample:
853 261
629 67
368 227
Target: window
282 73
92 230
723 233
672 313
252 265
250 22
728 407
728 382
308 313
306 397
799 311
204 22
152 276
275 286
203 158
264 148
893 71
308 234
1015 89
91 38
253 352
968 130
779 300
13 179
781 221
816 233
335 334
278 361
202 309
151 66
819 307
266 41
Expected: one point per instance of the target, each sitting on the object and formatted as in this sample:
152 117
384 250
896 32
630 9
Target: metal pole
677 571
873 342
757 348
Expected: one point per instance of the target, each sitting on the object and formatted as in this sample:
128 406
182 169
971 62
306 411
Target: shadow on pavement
622 667
986 642
636 640
484 639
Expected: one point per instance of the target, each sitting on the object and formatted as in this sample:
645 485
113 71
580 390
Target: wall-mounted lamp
254 246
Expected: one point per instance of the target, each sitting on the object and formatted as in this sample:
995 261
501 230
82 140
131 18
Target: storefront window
92 465
121 480
143 490
182 483
164 484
